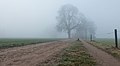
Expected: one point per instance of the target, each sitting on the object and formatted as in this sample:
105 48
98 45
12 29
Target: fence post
91 38
116 39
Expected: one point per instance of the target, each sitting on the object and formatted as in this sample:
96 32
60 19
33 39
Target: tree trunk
69 34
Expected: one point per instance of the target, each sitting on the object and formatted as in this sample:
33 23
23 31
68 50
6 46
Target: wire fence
107 40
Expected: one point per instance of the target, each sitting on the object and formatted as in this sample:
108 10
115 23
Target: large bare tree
68 19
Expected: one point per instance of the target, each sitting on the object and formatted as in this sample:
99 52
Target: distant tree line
73 22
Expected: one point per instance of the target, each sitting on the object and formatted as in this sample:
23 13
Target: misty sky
37 18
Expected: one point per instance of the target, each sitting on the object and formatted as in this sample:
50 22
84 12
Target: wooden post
91 38
116 39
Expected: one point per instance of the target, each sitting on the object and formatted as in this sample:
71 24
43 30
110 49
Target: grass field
108 45
7 43
106 42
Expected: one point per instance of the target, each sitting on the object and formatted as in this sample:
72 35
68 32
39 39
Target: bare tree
85 29
81 30
91 28
68 19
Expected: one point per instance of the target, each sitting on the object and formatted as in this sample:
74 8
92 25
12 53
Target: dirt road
31 55
102 58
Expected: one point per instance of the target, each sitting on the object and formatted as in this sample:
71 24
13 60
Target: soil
31 55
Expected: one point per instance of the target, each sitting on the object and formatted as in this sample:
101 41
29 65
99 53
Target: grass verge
75 55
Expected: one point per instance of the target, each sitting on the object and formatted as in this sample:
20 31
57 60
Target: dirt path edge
102 58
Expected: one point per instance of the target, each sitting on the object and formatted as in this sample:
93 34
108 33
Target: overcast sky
37 18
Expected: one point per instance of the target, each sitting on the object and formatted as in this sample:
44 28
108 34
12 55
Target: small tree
68 19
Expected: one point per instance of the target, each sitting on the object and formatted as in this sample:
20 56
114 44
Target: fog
37 18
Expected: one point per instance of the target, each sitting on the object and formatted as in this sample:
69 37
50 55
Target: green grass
107 45
76 55
7 43
107 42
